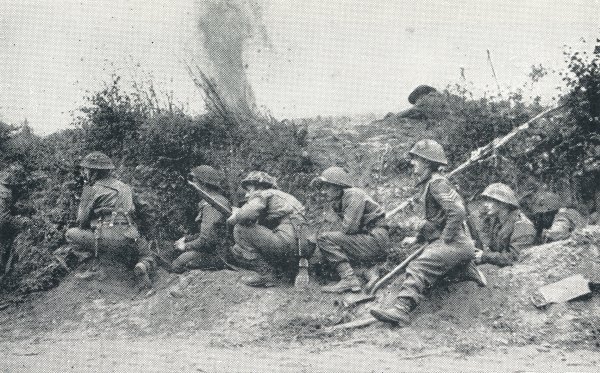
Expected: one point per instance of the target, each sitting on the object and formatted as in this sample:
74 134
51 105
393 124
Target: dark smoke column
225 27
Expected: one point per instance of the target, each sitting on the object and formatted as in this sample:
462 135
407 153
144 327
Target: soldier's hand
478 255
409 241
180 244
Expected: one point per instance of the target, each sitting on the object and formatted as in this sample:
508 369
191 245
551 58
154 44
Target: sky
323 58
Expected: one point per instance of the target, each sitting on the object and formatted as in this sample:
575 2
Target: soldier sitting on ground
363 236
552 221
269 232
448 246
509 231
104 218
206 248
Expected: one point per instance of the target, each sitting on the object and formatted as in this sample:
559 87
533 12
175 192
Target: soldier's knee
328 237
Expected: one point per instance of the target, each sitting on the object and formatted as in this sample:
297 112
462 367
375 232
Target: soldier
427 103
10 179
269 231
203 250
447 247
508 229
363 236
552 221
104 218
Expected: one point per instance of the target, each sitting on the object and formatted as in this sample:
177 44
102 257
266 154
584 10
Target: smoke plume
226 28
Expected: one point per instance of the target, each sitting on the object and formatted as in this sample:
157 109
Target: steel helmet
14 175
98 161
430 150
545 202
420 91
501 192
208 175
259 178
334 175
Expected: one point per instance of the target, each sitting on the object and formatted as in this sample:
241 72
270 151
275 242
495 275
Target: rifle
226 211
479 154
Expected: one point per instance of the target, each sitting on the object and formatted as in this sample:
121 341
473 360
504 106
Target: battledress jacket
269 208
101 199
445 212
212 225
358 212
508 238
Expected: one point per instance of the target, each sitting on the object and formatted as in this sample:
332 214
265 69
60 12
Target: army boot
142 273
348 281
398 314
472 273
263 276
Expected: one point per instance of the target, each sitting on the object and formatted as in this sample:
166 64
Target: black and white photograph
299 186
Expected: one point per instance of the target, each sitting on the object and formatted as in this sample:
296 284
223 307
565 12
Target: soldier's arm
522 237
86 206
353 212
250 212
452 204
210 218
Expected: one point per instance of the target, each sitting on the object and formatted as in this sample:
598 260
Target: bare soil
207 321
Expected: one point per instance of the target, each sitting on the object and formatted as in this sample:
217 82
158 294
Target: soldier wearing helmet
269 232
363 235
448 246
11 179
104 217
509 231
204 249
552 221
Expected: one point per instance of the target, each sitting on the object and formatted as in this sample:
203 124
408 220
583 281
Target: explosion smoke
226 26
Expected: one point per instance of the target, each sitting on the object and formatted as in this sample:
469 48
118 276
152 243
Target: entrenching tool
353 299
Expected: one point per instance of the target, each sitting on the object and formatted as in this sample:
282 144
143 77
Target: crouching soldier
447 247
205 249
269 232
508 230
363 237
104 218
552 221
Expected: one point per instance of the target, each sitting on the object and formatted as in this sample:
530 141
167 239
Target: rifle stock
226 211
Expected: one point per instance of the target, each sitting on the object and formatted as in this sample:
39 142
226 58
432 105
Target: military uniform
104 216
552 221
104 221
266 227
448 245
364 232
201 248
565 222
508 237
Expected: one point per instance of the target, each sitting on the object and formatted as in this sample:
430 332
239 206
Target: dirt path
200 353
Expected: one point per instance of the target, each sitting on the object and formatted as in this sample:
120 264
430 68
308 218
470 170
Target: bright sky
327 57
